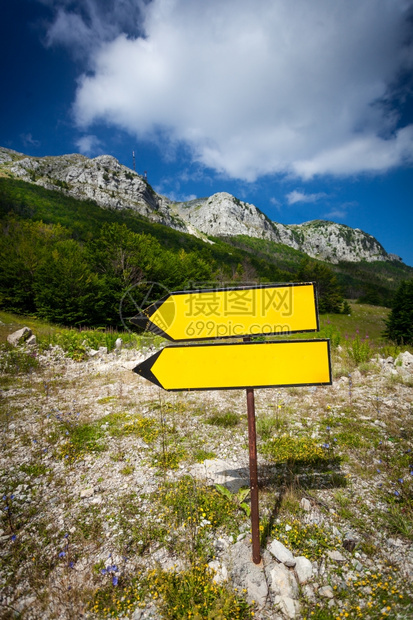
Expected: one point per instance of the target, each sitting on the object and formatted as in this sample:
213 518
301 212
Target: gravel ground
88 446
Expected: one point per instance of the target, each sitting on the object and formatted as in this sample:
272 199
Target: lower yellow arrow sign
239 365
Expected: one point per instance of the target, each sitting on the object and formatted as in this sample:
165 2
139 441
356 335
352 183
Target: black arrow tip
144 369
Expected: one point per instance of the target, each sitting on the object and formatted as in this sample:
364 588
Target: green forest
71 262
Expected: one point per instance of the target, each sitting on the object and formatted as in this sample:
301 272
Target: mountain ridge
115 186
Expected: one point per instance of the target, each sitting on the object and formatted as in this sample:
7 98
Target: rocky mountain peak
224 215
114 186
337 242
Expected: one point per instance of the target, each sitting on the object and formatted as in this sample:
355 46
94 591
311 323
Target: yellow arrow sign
239 365
233 312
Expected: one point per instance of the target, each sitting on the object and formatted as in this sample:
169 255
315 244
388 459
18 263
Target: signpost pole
252 442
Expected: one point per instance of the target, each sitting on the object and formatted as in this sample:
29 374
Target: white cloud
89 145
296 196
336 213
28 140
255 87
84 25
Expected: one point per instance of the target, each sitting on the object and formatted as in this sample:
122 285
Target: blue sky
304 109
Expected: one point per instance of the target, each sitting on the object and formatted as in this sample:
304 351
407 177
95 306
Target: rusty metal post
252 440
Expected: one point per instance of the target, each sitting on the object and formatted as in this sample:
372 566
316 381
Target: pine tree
329 293
399 325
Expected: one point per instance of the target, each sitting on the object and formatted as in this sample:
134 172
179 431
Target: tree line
72 262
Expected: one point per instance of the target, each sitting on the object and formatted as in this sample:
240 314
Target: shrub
15 361
359 350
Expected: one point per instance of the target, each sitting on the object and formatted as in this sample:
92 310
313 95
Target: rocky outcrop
224 215
102 179
337 242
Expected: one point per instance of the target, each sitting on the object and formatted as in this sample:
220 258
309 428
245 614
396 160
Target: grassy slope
85 218
364 318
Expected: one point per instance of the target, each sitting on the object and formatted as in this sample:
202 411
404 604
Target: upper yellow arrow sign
233 312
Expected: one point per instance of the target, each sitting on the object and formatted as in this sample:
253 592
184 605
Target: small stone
31 340
288 606
118 344
85 493
336 556
357 565
305 504
281 553
290 563
350 541
326 592
303 569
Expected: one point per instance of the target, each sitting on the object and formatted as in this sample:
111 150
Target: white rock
221 573
326 592
19 336
85 493
282 582
303 569
405 360
281 553
245 574
289 607
31 340
218 471
305 504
